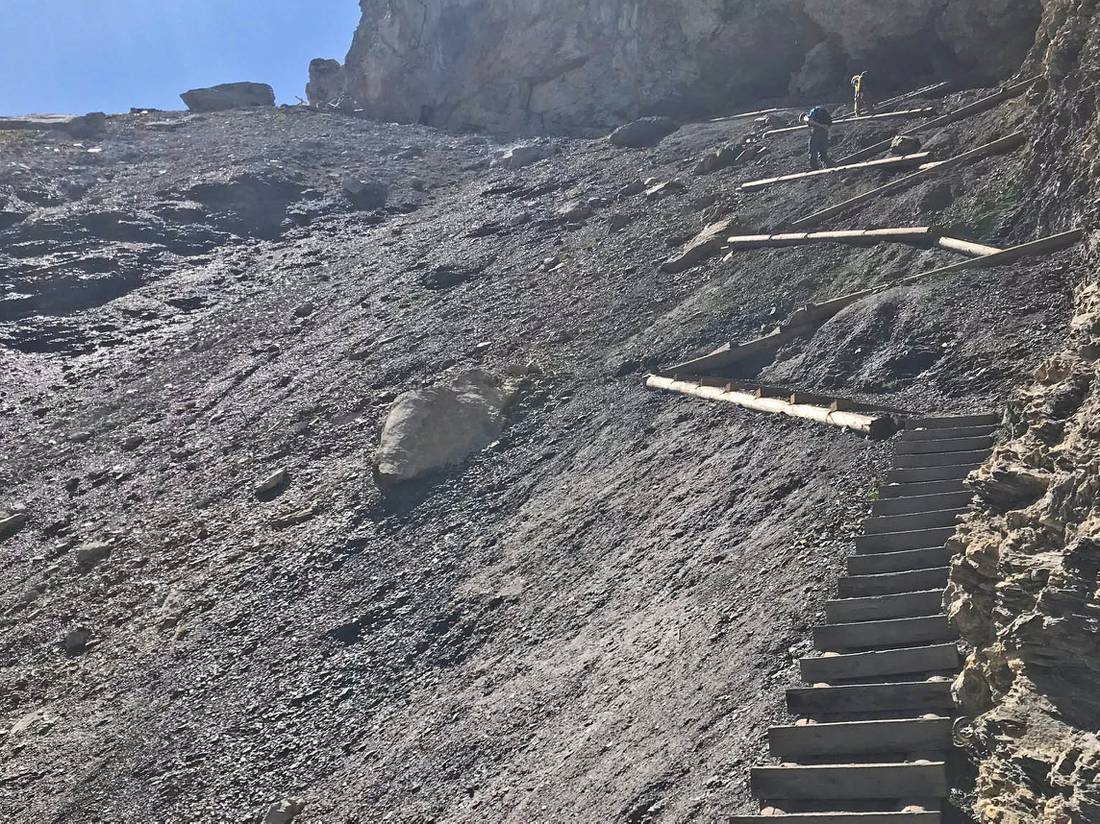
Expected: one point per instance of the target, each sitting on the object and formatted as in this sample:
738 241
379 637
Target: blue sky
76 56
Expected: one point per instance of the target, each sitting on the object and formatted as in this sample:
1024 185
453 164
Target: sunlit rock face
570 65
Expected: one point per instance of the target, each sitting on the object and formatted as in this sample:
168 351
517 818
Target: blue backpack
819 114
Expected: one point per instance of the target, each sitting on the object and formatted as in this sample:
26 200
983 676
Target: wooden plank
850 781
930 473
903 561
907 735
751 115
904 505
904 114
976 456
944 445
909 696
953 421
884 607
891 632
966 247
893 583
903 490
946 433
971 109
831 669
927 817
904 162
898 541
913 234
924 91
999 146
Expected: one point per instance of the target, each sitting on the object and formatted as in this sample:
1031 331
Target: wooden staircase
873 732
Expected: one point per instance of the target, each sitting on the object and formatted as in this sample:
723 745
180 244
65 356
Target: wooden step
893 632
892 583
904 561
912 504
906 661
885 607
851 781
908 539
955 472
909 522
908 735
949 422
946 433
911 697
925 447
887 163
940 459
920 489
839 818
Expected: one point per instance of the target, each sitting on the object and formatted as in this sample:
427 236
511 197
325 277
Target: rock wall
569 65
1026 592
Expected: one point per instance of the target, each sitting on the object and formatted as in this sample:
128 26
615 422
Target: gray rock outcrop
229 96
428 429
562 65
328 84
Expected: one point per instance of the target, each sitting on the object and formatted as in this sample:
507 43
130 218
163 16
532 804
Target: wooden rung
1001 145
966 247
861 737
906 234
908 161
849 781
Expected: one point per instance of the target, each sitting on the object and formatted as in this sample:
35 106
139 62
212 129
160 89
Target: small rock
524 154
643 133
304 310
272 482
663 190
574 211
704 245
634 187
904 145
285 811
91 553
367 195
76 640
714 161
132 443
551 263
12 523
618 222
80 437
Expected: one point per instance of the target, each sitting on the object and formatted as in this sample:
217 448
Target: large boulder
703 246
428 429
328 84
643 133
229 96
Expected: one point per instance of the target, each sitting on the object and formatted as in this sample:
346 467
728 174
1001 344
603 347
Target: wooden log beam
914 234
874 426
962 113
905 114
1000 146
904 162
748 115
955 244
931 90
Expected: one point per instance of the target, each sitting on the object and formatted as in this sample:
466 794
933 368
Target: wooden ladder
872 734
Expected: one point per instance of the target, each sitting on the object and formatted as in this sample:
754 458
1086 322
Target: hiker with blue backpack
820 122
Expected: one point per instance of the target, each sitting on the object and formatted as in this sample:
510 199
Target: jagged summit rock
327 87
229 96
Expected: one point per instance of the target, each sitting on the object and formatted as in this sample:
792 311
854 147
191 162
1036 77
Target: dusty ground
591 621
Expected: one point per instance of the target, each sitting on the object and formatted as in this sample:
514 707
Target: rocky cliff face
558 65
1025 593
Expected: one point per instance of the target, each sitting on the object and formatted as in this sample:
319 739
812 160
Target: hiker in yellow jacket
861 85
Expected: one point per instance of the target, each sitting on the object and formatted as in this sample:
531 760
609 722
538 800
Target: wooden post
999 146
955 244
904 162
874 426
